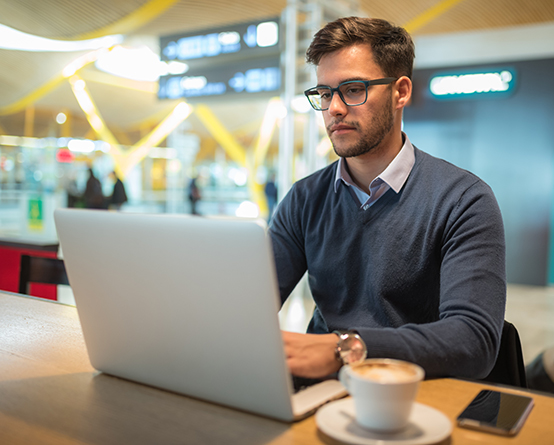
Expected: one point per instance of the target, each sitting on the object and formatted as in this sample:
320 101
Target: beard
380 125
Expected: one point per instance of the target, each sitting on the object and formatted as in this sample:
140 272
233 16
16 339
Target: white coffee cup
383 390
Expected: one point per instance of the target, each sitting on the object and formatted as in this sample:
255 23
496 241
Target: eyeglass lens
353 93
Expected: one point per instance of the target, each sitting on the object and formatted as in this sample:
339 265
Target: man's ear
403 92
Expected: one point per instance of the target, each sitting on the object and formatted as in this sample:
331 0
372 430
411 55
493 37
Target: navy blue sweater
420 274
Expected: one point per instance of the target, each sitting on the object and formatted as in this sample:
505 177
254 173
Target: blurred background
174 93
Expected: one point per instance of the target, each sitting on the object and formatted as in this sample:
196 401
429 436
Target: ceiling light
61 118
21 41
139 63
10 140
81 145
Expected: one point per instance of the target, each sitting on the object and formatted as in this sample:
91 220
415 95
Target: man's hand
311 355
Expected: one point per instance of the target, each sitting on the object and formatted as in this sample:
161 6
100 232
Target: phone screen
496 412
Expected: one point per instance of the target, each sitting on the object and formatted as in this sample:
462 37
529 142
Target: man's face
356 130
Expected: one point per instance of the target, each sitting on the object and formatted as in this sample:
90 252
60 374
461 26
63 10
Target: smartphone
496 412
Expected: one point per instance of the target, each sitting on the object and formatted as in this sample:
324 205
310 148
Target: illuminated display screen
257 76
250 38
238 59
484 83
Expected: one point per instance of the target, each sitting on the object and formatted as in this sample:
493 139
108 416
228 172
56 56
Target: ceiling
31 80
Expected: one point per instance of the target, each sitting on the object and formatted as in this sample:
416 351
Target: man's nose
337 107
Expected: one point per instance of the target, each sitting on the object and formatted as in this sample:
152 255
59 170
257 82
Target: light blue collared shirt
394 176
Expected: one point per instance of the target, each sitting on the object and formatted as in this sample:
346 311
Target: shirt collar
395 175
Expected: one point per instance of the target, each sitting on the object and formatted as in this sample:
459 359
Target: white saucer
426 426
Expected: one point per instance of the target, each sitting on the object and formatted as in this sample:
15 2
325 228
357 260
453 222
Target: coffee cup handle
344 378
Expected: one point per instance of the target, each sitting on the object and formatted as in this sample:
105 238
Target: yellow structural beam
227 141
29 121
237 152
144 125
88 106
32 97
271 116
52 84
125 161
430 14
140 150
269 122
139 17
65 128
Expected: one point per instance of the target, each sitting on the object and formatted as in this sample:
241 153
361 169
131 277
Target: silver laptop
187 304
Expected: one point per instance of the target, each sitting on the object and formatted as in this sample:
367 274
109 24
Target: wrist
350 347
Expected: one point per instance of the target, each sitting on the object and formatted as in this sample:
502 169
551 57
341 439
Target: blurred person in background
194 195
270 190
74 197
93 196
119 196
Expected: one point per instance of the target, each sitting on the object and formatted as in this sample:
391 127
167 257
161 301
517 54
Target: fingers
310 355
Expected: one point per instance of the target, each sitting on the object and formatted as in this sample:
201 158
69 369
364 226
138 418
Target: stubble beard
380 127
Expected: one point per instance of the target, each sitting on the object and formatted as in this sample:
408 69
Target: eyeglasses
352 93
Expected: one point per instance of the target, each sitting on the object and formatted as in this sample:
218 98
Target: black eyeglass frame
367 83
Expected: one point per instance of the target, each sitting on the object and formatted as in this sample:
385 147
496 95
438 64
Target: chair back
509 368
40 270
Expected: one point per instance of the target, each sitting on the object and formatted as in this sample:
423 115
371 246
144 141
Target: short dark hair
393 48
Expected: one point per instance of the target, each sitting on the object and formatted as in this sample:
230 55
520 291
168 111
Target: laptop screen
183 303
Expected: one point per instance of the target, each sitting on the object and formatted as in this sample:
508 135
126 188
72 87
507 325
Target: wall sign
239 59
35 214
498 82
250 38
249 77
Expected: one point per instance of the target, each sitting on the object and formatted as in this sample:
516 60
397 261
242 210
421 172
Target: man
400 247
119 195
194 195
93 196
271 193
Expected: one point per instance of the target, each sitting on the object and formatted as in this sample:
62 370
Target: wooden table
50 394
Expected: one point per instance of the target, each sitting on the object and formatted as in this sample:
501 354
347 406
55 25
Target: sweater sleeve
465 339
288 245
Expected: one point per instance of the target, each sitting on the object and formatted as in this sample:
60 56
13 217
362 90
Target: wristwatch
350 347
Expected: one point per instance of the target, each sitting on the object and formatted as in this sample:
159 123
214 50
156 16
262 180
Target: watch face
353 350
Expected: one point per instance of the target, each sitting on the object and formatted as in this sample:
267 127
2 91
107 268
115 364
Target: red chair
40 270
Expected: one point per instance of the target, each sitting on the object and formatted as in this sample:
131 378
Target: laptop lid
182 303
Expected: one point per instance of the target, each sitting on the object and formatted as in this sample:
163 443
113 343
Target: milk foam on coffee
386 372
